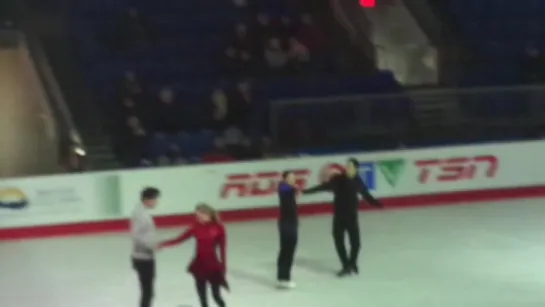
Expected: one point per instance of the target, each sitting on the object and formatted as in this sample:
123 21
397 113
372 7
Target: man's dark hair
285 174
354 162
150 193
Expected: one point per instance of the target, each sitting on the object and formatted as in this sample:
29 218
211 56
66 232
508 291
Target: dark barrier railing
418 117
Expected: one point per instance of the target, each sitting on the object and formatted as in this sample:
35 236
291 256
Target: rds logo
12 198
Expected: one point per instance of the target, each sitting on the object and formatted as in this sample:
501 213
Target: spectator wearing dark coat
241 106
169 117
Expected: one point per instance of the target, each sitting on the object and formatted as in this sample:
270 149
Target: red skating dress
206 265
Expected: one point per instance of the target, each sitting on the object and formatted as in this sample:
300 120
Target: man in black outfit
345 187
288 228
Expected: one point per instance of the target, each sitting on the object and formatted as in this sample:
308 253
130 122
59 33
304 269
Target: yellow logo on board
12 198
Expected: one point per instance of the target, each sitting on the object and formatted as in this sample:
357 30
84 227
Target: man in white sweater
144 243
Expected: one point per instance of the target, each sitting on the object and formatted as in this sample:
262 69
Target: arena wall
101 202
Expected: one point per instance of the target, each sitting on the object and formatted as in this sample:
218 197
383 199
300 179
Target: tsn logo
457 168
259 184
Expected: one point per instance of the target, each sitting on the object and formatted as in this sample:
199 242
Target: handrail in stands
71 140
69 136
56 92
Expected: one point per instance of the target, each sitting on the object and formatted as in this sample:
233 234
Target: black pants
288 243
202 286
340 227
146 275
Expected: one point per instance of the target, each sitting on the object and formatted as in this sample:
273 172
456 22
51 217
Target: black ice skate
354 268
344 272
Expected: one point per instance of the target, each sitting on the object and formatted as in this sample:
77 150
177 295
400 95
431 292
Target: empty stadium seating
500 31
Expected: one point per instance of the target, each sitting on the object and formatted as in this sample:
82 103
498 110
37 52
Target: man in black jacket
345 187
288 227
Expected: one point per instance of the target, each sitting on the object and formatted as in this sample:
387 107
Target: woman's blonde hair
208 210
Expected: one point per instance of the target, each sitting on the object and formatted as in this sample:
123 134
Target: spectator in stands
275 56
240 3
266 149
220 109
309 34
163 161
75 161
237 144
242 40
239 63
533 66
248 65
145 162
298 55
239 59
241 106
175 155
246 6
230 62
172 157
130 86
233 136
168 115
219 154
284 30
135 139
128 108
263 31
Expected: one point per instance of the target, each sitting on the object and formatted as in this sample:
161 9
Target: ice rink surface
489 254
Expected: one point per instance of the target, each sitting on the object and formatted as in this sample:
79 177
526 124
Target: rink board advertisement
111 196
54 199
388 174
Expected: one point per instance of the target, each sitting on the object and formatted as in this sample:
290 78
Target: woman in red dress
206 267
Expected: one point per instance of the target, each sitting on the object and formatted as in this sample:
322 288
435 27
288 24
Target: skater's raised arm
180 239
328 186
324 187
364 192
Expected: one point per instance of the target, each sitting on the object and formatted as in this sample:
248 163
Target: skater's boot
285 284
354 268
346 271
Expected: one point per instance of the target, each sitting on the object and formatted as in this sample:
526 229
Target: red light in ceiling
368 3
